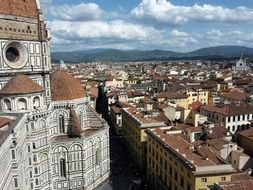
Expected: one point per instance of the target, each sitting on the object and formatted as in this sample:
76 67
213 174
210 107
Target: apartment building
134 125
175 163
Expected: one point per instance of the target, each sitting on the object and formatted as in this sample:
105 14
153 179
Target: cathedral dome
65 87
22 8
21 84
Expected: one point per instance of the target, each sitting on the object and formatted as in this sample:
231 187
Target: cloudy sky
178 25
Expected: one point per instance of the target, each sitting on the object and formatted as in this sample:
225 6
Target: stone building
50 136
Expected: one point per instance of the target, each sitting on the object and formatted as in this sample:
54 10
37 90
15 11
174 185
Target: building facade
234 117
134 125
175 163
50 136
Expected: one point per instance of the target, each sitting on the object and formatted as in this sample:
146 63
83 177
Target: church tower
24 47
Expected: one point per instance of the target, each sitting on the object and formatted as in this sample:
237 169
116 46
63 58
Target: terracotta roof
247 133
93 92
195 105
116 109
229 109
197 155
146 100
235 95
65 87
27 8
240 176
74 130
218 131
236 185
171 95
21 84
4 121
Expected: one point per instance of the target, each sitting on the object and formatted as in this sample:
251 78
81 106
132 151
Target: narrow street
123 172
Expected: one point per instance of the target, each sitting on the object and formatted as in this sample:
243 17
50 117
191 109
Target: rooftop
236 185
27 8
21 84
229 109
65 87
199 156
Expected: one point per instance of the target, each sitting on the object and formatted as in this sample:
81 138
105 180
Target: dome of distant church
65 87
22 8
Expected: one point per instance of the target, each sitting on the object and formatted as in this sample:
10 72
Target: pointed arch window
97 156
63 172
61 124
80 117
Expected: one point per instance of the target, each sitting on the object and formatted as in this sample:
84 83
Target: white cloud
79 12
101 34
164 12
214 33
99 29
177 33
237 37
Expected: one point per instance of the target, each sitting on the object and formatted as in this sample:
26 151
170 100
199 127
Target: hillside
139 55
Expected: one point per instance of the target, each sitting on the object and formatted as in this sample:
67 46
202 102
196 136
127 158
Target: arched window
63 172
7 104
98 153
41 124
76 155
61 124
36 102
36 170
80 117
44 168
97 159
22 104
36 181
34 158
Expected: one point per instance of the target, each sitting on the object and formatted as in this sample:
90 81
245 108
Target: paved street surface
123 171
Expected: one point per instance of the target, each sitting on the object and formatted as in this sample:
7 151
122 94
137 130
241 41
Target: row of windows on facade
232 118
238 127
62 164
28 30
62 168
169 170
61 123
37 48
170 174
21 103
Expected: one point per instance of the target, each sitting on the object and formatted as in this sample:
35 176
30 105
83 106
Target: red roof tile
65 87
27 8
4 121
21 84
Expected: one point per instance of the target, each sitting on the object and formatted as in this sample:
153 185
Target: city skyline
177 25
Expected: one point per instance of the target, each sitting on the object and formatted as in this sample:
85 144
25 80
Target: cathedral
241 65
50 136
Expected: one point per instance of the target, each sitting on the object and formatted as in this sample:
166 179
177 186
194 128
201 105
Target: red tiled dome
23 8
65 87
21 84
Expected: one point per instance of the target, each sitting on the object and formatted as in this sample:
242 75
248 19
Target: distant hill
139 55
